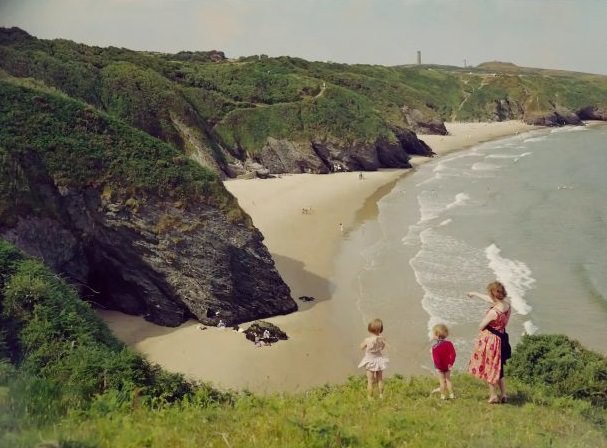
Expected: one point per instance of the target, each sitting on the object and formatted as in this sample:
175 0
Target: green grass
341 416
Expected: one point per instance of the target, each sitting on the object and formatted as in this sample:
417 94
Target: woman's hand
484 297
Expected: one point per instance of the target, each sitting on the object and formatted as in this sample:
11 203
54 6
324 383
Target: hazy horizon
556 34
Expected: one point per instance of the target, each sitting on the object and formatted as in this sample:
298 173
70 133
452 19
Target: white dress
374 360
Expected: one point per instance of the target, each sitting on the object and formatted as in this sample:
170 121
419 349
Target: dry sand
323 344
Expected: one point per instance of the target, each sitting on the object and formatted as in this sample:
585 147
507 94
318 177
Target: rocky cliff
134 225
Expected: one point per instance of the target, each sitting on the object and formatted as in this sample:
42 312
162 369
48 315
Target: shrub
64 356
562 366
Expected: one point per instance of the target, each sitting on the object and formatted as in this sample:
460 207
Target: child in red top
443 355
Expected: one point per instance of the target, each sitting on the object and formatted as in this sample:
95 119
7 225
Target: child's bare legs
445 384
379 377
370 382
442 381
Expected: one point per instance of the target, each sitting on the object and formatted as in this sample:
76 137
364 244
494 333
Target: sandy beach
324 334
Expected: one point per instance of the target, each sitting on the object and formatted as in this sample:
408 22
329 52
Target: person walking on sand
443 355
492 347
374 361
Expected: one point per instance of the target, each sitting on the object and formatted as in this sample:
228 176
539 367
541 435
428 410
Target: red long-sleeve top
443 355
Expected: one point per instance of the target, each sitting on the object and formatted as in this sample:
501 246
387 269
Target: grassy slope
65 379
340 416
240 103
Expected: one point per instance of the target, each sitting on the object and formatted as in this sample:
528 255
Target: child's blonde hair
440 331
376 326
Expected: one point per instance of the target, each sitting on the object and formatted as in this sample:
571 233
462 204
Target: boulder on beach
259 327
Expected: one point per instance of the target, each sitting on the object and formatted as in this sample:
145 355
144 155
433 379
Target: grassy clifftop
224 110
65 381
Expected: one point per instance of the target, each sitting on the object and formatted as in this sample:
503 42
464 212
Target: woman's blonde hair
440 331
497 290
376 326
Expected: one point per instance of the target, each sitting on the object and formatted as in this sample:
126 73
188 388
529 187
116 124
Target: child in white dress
374 361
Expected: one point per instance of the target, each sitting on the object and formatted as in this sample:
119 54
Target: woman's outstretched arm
481 296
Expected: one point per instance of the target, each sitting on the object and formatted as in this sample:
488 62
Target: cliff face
150 234
331 155
161 261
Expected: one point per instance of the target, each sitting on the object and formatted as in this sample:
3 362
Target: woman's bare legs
502 387
493 398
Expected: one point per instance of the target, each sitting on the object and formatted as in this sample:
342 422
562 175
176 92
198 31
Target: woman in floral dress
487 362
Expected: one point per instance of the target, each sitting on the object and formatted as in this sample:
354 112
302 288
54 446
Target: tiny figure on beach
341 227
443 355
221 324
492 346
360 176
258 341
374 362
266 337
306 210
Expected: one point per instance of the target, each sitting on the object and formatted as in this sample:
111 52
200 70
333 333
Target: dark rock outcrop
412 144
424 124
505 109
391 154
328 155
365 156
285 156
346 156
560 116
259 327
164 260
593 113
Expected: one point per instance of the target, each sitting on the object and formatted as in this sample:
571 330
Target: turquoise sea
530 211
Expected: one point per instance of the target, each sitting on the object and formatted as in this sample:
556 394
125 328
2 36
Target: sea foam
514 275
483 166
431 205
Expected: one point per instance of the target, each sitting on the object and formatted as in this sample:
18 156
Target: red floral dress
486 360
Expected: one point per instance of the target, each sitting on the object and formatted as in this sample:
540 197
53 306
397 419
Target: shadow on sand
303 282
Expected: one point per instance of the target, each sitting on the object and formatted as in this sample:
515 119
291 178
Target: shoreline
305 247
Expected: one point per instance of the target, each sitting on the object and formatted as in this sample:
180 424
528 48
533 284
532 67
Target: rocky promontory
125 218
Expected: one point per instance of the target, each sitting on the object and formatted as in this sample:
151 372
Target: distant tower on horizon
419 57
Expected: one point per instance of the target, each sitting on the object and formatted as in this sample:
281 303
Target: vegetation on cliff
82 148
57 355
221 112
65 381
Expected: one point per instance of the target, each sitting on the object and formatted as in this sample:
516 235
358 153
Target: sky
561 34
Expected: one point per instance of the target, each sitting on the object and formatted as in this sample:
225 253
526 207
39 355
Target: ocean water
530 211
